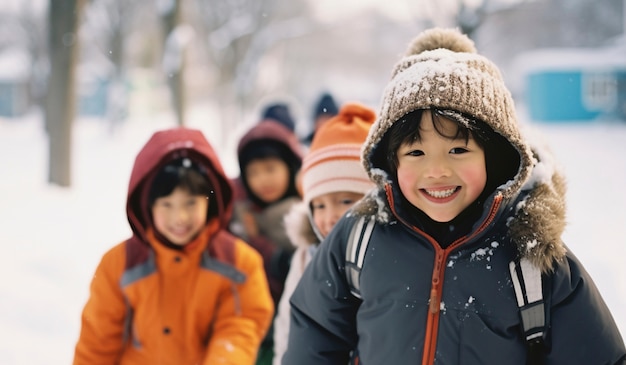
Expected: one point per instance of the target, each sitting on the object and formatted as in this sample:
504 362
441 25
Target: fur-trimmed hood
538 218
442 70
299 226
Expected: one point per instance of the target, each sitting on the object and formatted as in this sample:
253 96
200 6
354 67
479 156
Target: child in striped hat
332 180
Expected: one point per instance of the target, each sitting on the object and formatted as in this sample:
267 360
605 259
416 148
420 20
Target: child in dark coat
462 195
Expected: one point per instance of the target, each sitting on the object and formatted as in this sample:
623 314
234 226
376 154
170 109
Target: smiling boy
461 195
439 172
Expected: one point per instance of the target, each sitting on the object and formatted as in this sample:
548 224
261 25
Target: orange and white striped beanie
333 161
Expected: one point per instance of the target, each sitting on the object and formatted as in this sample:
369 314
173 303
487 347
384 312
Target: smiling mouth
179 232
441 194
267 191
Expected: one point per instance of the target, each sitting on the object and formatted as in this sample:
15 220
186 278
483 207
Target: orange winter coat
208 303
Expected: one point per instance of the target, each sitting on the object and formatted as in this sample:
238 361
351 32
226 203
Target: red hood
161 148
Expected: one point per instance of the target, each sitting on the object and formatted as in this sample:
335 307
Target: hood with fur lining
539 217
442 70
299 227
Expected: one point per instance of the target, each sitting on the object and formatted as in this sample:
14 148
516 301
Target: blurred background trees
143 57
59 101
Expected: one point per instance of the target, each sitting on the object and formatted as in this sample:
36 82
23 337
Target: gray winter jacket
424 304
476 320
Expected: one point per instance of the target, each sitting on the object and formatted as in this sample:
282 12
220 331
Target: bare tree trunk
60 104
175 50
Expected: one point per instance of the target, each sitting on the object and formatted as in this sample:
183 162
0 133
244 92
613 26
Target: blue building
14 83
575 85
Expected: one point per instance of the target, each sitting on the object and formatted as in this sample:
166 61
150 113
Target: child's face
180 216
268 178
440 176
328 208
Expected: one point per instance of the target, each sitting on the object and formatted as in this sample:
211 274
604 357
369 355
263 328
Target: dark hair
407 130
502 160
180 173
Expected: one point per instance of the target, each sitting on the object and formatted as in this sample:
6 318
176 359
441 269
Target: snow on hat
280 113
441 69
333 162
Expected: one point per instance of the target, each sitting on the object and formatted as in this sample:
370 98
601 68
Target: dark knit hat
280 113
325 106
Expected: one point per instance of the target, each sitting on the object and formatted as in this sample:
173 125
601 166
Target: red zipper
441 255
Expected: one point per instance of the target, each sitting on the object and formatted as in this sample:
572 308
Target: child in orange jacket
181 290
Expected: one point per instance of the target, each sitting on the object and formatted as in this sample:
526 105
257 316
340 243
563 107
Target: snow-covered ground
52 238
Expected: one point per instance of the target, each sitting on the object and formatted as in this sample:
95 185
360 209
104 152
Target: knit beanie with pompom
333 162
441 69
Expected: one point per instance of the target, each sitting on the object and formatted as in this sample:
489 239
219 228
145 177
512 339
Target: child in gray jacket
463 199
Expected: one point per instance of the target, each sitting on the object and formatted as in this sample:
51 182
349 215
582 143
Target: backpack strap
528 287
358 241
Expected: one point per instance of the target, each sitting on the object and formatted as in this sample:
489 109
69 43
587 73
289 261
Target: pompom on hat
441 69
333 161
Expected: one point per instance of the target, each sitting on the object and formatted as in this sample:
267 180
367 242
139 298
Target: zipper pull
434 302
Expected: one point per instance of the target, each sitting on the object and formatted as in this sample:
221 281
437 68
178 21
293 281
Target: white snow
52 238
14 65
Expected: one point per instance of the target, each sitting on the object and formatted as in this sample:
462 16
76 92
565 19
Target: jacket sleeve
323 311
244 314
582 330
102 323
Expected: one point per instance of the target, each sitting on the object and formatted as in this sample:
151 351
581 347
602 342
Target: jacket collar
537 210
